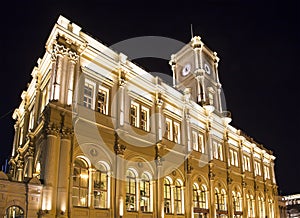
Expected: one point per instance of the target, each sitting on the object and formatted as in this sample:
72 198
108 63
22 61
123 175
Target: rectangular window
257 169
88 95
201 143
198 142
173 131
195 141
134 114
102 100
218 150
169 129
233 155
246 163
145 118
267 172
140 116
176 132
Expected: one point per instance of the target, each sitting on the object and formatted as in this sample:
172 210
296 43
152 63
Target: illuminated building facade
97 136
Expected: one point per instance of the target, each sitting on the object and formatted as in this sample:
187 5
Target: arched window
196 197
203 197
220 200
250 205
261 206
271 208
100 184
178 197
130 190
14 212
237 201
80 183
145 193
167 196
223 200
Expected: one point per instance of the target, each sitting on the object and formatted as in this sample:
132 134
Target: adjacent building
98 136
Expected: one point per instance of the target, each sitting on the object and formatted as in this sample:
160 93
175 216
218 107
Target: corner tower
195 66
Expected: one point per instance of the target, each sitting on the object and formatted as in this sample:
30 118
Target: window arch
14 212
237 203
145 193
200 196
80 183
261 206
131 190
167 196
101 186
178 197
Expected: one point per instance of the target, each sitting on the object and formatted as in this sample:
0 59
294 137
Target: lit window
246 163
176 132
88 95
257 169
217 151
195 141
169 129
233 158
80 183
14 212
31 120
237 201
102 100
167 196
145 193
198 142
266 172
261 207
178 201
145 118
100 182
173 131
271 208
250 205
130 191
220 200
139 116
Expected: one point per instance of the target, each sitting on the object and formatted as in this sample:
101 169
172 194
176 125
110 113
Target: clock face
206 68
186 69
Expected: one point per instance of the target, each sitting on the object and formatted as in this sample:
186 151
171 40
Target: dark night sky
257 42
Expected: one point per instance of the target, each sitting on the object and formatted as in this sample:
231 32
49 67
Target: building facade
97 136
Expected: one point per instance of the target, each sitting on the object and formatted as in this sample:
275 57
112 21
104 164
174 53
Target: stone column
159 200
188 189
73 58
121 99
50 168
30 153
119 170
211 176
37 99
64 173
20 169
57 57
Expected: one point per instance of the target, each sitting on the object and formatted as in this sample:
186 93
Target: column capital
66 133
52 129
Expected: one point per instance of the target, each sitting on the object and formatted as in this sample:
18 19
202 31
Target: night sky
258 43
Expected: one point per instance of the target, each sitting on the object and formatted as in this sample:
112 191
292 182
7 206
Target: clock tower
195 66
